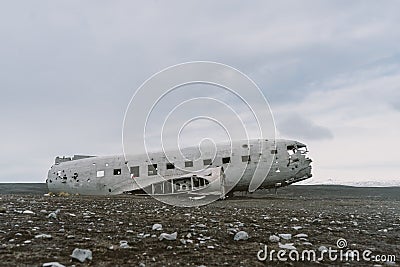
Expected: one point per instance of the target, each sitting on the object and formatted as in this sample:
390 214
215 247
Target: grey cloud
396 106
68 69
299 127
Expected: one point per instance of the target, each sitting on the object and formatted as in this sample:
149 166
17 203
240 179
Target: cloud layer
331 71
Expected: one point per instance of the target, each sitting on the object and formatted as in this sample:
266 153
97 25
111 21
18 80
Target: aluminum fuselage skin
282 162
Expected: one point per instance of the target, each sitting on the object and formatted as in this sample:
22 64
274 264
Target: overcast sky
329 69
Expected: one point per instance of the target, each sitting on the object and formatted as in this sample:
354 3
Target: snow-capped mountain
359 183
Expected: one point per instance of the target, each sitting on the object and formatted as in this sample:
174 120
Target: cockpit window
293 149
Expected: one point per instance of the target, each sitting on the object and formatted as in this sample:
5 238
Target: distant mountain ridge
366 183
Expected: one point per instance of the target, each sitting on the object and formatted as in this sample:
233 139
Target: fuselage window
135 171
246 158
100 173
207 162
226 160
188 163
117 171
274 151
152 169
170 166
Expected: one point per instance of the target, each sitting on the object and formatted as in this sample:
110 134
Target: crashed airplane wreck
200 173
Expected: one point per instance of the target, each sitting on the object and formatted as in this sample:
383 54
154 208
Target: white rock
285 236
166 236
27 241
274 238
52 264
297 227
81 254
301 235
307 244
197 198
43 236
210 247
52 215
287 246
28 212
157 227
322 248
123 244
242 235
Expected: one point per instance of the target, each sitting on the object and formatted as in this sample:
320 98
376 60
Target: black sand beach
315 216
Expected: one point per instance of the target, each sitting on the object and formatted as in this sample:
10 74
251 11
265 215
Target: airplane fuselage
282 161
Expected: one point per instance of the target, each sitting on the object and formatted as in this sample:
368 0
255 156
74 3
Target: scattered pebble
242 235
285 236
166 236
43 236
52 264
274 238
287 246
81 254
301 236
52 215
322 248
157 227
123 244
28 212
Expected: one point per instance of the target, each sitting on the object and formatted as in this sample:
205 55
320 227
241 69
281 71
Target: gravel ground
37 229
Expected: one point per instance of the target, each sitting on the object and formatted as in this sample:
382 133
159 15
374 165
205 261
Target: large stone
166 236
242 235
157 227
81 254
